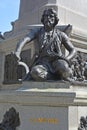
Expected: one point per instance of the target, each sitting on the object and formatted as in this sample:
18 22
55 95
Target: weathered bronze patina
50 63
10 120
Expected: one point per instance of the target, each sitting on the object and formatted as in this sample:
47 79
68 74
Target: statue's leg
62 69
39 73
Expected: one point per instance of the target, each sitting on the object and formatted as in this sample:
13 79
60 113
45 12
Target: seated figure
50 63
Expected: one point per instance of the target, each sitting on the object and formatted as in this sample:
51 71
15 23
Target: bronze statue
83 123
11 120
50 63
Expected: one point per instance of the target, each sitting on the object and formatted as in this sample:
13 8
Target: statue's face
49 20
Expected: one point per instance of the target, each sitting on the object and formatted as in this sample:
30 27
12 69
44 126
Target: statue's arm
28 38
68 45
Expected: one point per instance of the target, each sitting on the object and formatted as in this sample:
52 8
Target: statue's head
49 18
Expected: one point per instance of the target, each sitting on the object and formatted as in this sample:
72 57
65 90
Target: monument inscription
44 120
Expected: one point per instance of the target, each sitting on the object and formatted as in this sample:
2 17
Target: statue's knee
39 73
60 65
62 68
67 73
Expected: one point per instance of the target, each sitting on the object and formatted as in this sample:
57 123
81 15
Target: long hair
52 11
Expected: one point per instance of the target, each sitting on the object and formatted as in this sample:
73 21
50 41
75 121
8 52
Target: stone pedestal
2 60
73 12
47 106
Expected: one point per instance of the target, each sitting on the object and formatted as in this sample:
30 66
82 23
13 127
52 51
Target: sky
9 11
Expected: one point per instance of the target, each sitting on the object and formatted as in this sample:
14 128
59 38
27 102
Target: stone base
46 105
